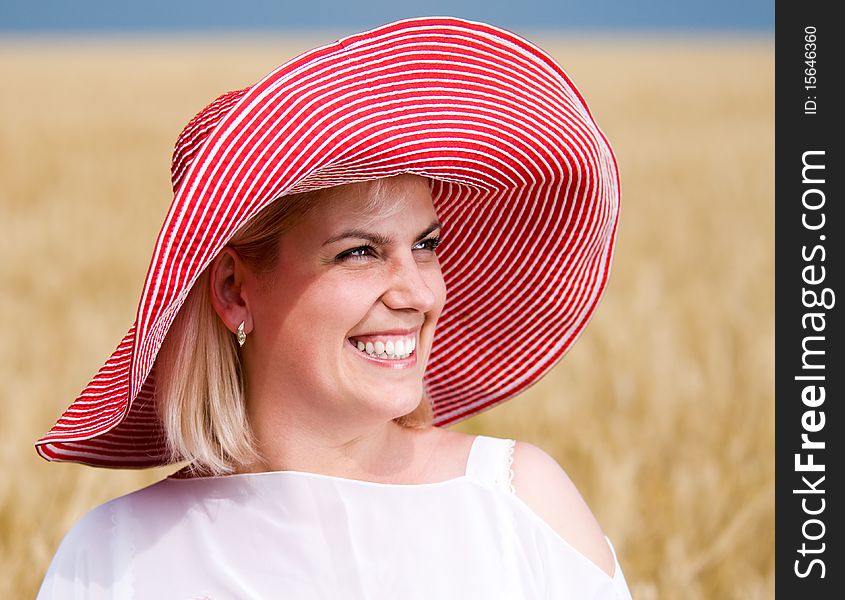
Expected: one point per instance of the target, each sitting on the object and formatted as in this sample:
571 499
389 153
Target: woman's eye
365 252
428 244
357 253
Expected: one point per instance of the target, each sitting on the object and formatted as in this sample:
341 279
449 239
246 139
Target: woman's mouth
403 361
386 347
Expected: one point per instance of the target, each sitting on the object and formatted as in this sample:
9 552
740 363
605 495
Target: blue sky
40 16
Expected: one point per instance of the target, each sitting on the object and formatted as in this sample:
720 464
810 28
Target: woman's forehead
395 202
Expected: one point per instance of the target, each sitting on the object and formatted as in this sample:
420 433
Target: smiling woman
364 275
285 343
377 304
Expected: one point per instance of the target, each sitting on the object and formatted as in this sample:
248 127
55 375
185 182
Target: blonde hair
199 380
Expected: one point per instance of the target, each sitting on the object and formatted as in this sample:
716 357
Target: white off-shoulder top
295 535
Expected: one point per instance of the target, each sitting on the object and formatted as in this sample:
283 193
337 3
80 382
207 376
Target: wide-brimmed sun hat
522 178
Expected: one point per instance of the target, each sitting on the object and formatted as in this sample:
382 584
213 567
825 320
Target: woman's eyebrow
359 234
434 225
375 238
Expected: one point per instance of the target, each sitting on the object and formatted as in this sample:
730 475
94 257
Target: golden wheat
662 413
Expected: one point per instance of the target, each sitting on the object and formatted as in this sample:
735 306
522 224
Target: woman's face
343 326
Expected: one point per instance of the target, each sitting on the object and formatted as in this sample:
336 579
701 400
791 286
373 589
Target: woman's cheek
357 295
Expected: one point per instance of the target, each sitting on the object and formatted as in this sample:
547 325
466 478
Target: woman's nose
409 286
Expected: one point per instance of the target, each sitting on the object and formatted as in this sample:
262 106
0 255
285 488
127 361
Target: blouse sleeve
83 566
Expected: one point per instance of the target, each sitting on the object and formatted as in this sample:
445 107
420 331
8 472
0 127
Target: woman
285 341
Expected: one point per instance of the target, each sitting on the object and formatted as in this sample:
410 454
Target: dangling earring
241 335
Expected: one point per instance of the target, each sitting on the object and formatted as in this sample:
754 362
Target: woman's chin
386 404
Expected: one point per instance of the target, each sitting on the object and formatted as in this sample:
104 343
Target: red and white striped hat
521 175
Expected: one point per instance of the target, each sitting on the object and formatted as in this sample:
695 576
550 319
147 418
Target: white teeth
391 349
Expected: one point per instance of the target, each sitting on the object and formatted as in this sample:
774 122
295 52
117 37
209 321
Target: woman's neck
385 452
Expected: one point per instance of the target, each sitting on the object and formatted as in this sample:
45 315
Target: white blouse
296 535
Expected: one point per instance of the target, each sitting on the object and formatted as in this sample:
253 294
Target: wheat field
663 413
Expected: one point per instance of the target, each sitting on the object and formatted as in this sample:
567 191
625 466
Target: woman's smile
391 361
392 349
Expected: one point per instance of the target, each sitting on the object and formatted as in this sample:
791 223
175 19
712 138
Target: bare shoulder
544 486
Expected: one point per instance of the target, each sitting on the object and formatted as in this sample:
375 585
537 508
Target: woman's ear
226 278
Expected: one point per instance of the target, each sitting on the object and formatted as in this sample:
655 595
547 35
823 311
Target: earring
241 335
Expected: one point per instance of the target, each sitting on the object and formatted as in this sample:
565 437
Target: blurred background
662 414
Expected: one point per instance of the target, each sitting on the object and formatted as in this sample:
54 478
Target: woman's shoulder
83 557
543 485
90 532
89 556
96 527
539 481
